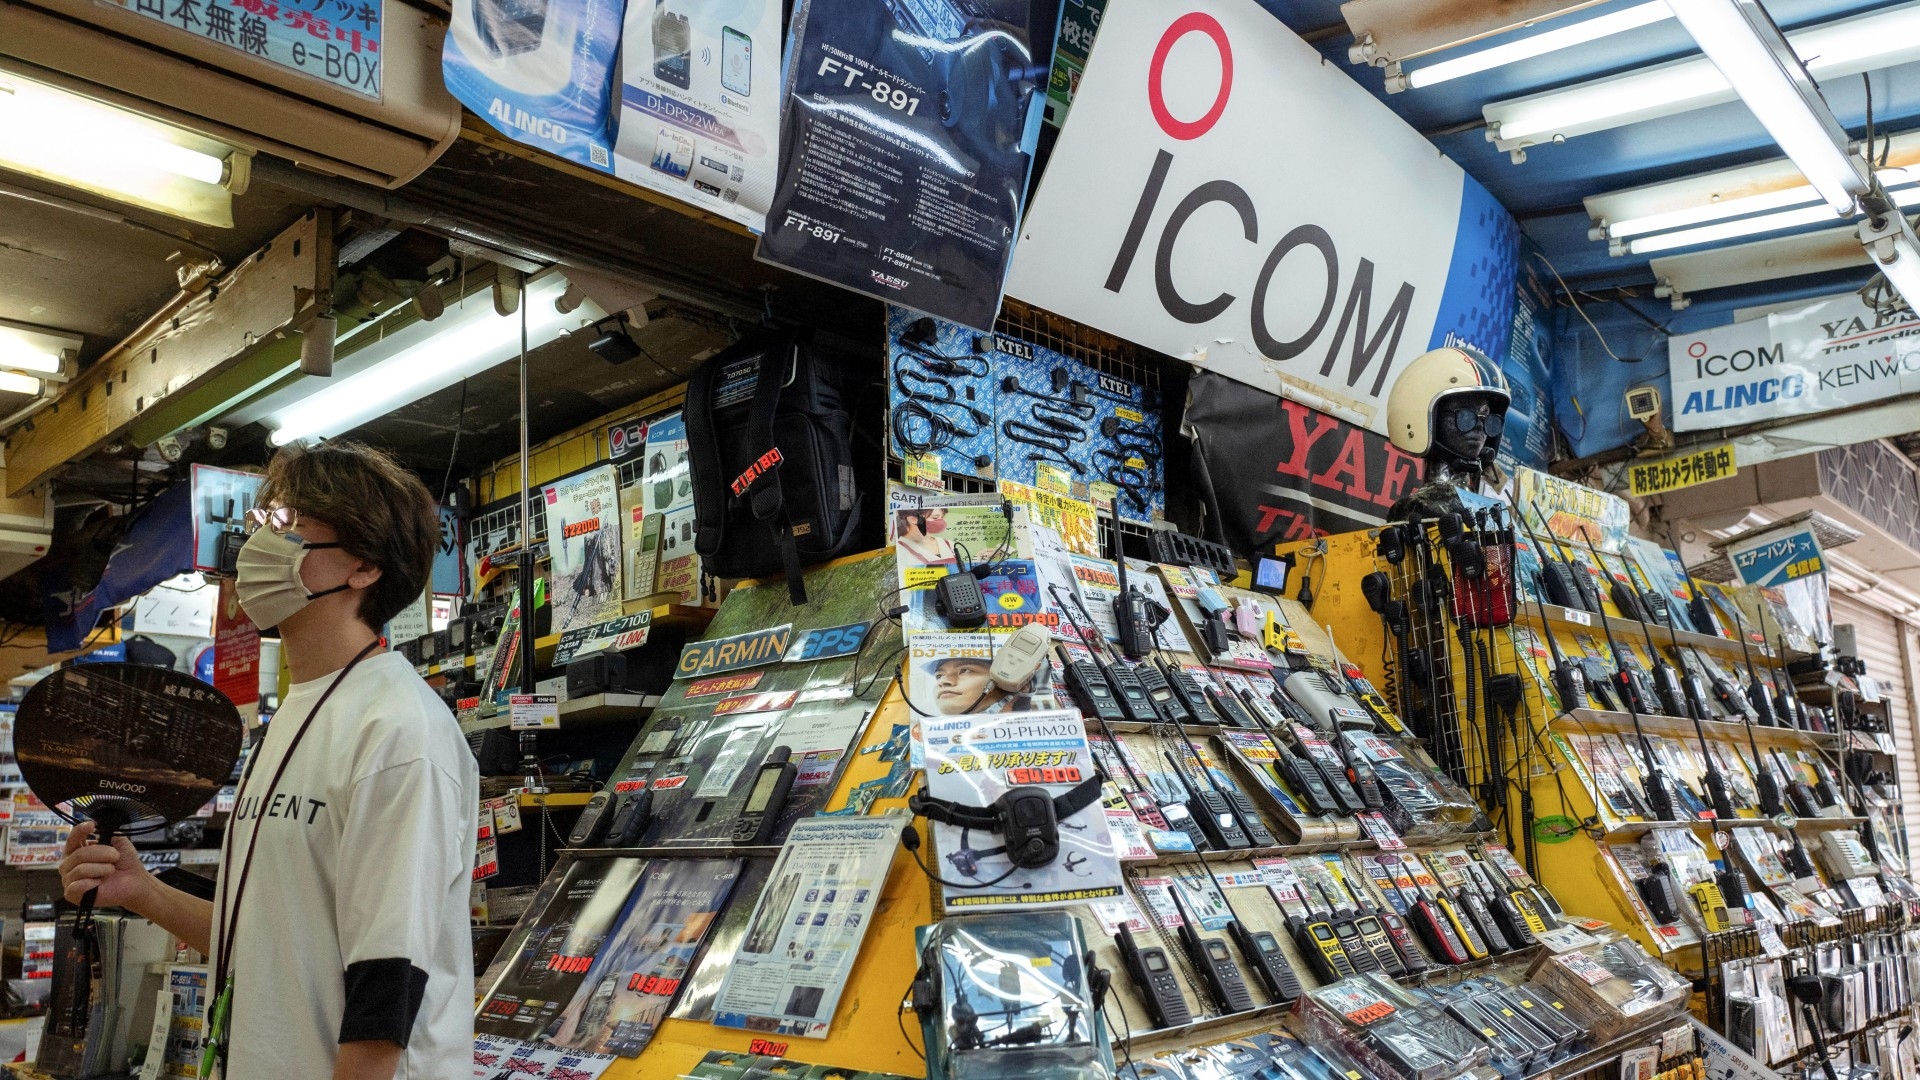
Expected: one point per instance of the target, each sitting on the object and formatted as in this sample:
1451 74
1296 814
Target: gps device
595 818
758 817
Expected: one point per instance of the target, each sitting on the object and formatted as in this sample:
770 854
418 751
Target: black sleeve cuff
383 998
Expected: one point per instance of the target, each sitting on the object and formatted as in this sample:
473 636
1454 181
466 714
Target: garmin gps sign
1830 354
1221 194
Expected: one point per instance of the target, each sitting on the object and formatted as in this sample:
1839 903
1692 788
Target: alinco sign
1830 354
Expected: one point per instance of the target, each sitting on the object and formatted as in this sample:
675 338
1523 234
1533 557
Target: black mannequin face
1463 424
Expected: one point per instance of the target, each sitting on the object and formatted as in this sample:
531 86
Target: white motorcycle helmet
1426 384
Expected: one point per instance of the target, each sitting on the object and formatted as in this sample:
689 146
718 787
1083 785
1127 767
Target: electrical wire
900 1014
1582 311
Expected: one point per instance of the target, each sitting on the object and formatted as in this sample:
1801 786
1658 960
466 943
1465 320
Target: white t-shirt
354 922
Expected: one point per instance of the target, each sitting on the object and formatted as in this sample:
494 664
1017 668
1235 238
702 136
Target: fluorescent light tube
28 348
1566 37
74 140
464 343
1695 215
12 382
1727 230
1875 40
1760 66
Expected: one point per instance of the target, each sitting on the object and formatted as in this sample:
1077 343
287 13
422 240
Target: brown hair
381 512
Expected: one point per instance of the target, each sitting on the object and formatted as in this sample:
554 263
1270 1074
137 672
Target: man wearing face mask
338 934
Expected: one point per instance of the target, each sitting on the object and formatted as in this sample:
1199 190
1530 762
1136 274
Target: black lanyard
231 907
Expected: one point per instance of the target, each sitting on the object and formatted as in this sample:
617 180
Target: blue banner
158 546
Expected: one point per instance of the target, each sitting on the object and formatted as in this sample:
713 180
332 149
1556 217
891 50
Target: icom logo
1302 260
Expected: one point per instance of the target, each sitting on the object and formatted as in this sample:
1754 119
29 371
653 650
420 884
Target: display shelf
1634 829
1628 631
1588 721
579 712
1607 1053
684 615
746 851
1365 843
559 800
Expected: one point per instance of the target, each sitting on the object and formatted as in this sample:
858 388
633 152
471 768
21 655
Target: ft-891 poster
905 147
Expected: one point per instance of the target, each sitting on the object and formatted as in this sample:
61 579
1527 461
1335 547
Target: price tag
1584 966
1375 823
1052 478
1578 617
1676 1040
534 712
923 471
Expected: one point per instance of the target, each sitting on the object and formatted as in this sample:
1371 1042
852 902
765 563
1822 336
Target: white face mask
267 576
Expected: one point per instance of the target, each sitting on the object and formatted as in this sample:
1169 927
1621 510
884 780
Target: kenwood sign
1830 354
1221 194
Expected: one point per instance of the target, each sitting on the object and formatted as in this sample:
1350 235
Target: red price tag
1379 1010
1065 774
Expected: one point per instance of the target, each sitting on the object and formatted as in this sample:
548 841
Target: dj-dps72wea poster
906 142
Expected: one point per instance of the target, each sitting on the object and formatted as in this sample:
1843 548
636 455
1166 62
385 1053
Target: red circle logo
1697 349
1186 24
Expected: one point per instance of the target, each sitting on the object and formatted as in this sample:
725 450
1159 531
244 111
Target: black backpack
772 459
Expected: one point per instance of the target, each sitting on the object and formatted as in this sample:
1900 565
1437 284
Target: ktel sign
1372 339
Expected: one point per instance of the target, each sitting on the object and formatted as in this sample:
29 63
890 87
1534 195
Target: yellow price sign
1701 466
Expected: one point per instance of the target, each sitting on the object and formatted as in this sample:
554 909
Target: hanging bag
769 429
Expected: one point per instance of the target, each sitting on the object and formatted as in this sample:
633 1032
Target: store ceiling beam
274 292
1403 29
500 224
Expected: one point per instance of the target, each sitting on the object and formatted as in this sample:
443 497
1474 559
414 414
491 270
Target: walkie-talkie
1317 942
1757 697
1215 815
1259 948
1256 830
1133 613
1800 797
1654 783
1167 703
1183 686
1658 894
1676 693
1733 887
1303 778
1569 681
594 820
1322 756
1132 697
1469 903
1469 938
630 821
1090 691
1699 611
1412 960
1373 932
1430 923
1358 953
1210 957
1153 976
1229 708
1568 586
1506 915
1360 772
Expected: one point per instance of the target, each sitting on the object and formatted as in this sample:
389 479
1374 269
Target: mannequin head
1449 406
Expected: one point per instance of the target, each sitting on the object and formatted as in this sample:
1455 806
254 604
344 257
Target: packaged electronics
1613 985
1012 994
1390 1031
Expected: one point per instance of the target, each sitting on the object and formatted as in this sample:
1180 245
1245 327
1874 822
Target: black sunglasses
1467 417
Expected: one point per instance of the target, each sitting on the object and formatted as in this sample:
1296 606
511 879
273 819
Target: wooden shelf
1628 632
1588 721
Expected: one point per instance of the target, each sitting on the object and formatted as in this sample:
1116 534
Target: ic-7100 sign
882 92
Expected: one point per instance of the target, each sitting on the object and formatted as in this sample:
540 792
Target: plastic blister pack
1418 799
1390 1031
1009 995
1614 985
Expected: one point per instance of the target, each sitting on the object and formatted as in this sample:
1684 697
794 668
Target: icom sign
1222 195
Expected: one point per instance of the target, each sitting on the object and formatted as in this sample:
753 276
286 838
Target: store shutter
1879 634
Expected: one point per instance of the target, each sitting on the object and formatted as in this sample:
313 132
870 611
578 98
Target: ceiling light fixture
1907 195
1844 47
31 349
1893 248
463 342
1682 276
12 382
1757 61
1565 37
74 140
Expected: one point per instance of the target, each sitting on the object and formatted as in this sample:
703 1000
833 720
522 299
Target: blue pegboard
940 392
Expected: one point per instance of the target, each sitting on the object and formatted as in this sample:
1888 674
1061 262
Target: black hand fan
130 747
